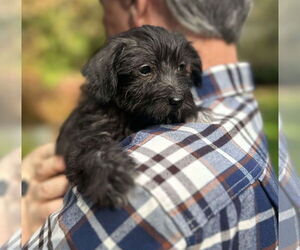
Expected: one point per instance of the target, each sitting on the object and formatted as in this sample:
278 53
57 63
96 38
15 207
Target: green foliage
259 46
59 38
289 41
267 98
289 111
259 41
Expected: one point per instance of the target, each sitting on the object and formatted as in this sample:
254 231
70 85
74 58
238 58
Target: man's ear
138 12
100 72
197 74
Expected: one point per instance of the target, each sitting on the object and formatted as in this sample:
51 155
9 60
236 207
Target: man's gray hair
212 18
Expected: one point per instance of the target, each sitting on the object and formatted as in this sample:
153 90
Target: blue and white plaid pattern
203 185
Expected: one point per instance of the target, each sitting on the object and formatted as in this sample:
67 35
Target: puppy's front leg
102 172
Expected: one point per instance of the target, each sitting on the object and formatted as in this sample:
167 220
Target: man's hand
47 186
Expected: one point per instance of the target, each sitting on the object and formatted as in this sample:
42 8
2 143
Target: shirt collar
224 80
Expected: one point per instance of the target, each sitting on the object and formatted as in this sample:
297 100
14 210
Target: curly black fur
141 77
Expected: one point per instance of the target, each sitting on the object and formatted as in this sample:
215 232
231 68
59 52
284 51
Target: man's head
146 72
221 19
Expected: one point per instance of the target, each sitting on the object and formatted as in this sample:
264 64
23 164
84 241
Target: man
199 185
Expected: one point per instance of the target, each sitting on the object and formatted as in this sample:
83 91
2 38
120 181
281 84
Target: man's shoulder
195 170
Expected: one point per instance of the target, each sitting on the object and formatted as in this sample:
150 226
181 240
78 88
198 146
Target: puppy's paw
118 170
105 177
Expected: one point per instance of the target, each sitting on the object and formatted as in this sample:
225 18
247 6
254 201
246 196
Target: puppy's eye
145 69
182 67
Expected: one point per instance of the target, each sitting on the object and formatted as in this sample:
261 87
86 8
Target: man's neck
214 51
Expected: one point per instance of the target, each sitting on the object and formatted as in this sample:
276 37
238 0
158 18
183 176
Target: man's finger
49 168
45 151
34 160
51 189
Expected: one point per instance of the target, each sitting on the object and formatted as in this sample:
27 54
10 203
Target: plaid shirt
200 185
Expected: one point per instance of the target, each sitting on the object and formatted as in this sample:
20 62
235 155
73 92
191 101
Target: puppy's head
147 72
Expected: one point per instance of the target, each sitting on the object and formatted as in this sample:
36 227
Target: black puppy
141 77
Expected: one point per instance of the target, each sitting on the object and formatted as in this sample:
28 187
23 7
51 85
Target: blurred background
60 35
10 76
10 118
289 75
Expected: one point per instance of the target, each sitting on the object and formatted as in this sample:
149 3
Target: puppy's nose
176 101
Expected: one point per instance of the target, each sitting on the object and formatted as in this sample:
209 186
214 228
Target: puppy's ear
100 72
197 74
196 66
